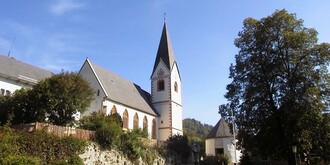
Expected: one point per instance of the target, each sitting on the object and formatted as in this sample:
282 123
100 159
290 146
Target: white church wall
163 110
176 95
176 119
96 105
131 112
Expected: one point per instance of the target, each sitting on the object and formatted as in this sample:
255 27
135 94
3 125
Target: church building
160 111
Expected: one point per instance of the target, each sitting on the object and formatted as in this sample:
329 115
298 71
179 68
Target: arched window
160 85
145 122
125 119
113 110
153 131
136 121
176 87
104 110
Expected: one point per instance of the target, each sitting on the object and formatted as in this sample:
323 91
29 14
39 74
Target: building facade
15 75
221 141
160 112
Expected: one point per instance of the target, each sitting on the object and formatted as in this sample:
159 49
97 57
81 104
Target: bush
38 147
19 160
179 145
215 160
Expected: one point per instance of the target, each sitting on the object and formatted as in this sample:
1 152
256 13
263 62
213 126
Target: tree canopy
57 98
280 86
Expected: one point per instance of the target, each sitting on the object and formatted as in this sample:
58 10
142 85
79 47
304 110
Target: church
160 111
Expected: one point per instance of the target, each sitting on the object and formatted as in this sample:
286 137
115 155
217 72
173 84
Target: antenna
12 44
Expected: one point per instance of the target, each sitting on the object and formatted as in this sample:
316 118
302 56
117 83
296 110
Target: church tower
166 89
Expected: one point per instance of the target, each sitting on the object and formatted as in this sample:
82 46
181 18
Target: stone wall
94 156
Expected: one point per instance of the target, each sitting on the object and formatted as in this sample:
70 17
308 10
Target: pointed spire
165 51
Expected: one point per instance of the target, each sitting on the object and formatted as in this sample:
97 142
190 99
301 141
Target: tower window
160 85
176 87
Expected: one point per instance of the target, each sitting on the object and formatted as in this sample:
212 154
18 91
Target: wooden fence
60 131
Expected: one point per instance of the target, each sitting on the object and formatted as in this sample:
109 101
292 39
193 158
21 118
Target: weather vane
164 16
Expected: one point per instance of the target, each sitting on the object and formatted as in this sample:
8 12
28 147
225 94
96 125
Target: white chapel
159 111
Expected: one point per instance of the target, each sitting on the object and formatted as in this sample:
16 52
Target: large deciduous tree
280 86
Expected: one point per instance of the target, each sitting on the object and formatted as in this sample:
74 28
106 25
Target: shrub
19 160
179 146
38 147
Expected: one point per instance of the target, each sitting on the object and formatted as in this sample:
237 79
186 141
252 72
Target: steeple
165 51
166 89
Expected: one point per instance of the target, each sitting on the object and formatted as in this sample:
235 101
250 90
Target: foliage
96 120
280 86
195 129
178 145
245 159
196 132
62 96
324 138
109 134
131 145
215 160
58 98
20 108
19 160
39 147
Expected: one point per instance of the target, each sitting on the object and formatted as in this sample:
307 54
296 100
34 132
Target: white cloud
64 6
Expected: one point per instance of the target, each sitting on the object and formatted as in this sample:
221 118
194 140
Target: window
104 110
176 87
160 85
153 131
145 123
136 121
125 119
98 93
8 93
113 110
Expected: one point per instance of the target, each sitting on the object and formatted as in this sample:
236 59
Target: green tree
58 98
280 86
20 108
178 146
62 96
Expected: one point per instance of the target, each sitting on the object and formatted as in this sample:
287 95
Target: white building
16 75
159 111
221 141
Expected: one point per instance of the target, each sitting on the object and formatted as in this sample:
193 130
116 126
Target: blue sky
123 36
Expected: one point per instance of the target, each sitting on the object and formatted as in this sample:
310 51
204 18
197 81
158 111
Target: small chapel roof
165 51
17 70
221 129
123 91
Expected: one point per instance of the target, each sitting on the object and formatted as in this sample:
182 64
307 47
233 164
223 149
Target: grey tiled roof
165 51
17 70
221 129
123 91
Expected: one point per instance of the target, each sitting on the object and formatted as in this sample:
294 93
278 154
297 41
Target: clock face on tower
160 72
